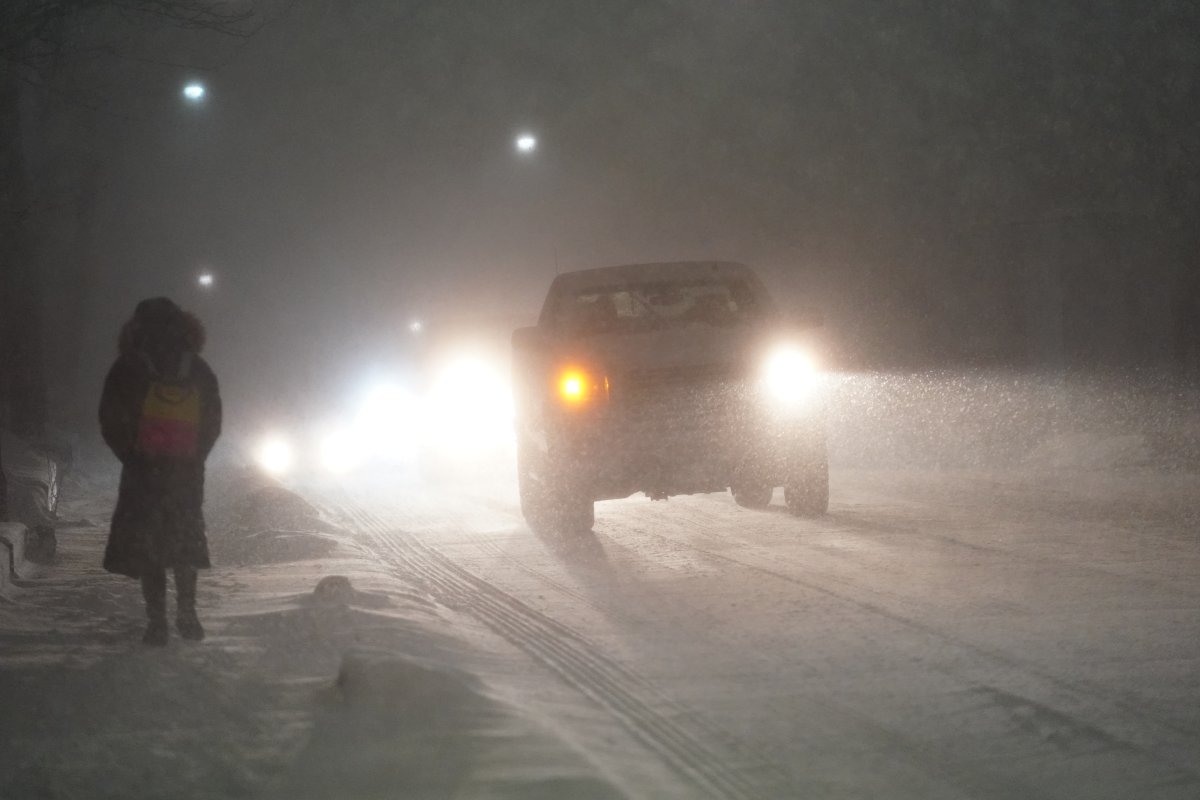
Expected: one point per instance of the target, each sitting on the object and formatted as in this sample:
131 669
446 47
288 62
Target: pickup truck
669 378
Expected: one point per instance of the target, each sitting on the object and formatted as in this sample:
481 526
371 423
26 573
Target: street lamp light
526 143
205 279
194 92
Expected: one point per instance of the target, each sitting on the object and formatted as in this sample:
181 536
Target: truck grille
703 395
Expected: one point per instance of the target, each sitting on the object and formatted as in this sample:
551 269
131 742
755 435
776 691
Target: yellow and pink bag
169 425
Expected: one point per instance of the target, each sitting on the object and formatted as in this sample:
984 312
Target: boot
154 592
186 621
157 632
188 625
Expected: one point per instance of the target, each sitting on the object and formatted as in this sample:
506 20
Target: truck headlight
789 374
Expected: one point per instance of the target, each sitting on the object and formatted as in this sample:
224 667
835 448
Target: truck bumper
679 454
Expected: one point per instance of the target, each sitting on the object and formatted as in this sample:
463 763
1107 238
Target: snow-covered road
938 635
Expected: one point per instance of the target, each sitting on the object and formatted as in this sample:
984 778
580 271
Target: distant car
672 378
440 406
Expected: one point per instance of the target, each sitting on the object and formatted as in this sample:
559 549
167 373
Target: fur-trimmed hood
158 325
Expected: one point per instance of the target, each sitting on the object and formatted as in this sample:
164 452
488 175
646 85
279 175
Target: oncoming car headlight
789 374
341 451
275 455
387 422
469 406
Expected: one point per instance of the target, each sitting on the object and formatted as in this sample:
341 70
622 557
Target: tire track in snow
629 699
494 550
1149 736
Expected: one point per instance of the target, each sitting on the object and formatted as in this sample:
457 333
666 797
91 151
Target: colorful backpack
169 425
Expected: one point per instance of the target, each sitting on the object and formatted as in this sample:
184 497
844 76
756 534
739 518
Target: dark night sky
353 164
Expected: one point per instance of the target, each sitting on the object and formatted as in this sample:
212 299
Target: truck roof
573 282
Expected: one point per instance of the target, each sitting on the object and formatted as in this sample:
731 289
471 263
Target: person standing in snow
160 414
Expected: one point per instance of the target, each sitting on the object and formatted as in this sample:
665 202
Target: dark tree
39 39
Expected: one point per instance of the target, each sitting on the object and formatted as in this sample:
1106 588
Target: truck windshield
647 306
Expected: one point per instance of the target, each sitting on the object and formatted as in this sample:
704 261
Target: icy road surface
937 635
1022 635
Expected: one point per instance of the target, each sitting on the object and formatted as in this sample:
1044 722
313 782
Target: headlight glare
789 374
469 406
275 455
341 451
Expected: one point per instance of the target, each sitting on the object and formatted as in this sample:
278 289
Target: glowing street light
194 92
526 143
205 279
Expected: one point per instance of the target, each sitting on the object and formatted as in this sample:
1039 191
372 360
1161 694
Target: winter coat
158 522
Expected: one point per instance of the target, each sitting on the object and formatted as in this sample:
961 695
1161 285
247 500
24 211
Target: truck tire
533 505
548 505
573 513
752 495
807 490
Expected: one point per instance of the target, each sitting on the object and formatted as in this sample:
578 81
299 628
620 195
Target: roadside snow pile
325 674
33 475
408 714
403 725
273 525
12 554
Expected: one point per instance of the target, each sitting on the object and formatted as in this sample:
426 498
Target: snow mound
274 545
421 691
12 538
398 725
271 524
322 678
272 504
1091 451
336 590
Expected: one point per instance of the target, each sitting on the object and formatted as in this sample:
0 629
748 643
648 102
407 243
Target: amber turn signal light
577 387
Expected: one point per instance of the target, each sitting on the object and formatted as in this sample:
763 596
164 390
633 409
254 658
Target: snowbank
403 725
325 674
33 482
405 709
273 525
12 554
13 551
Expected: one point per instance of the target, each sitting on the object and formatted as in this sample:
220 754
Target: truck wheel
533 502
807 489
574 513
557 511
550 507
752 496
